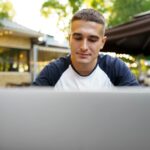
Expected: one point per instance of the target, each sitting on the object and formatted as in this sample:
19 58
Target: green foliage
53 5
100 5
116 11
6 9
75 5
65 11
123 11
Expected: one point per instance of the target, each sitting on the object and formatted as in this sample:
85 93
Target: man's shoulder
107 60
116 70
52 72
60 63
61 60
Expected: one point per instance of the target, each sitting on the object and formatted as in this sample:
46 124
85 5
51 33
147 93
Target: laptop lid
42 119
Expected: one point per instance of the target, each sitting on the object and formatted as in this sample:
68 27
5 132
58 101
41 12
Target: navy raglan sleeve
46 76
117 71
52 72
124 77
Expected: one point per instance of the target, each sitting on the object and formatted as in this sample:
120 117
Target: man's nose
84 45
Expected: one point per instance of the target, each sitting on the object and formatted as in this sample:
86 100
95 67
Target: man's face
86 39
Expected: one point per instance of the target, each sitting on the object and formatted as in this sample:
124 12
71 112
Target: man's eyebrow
76 34
94 36
91 36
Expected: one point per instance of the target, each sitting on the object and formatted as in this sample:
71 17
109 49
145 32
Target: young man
84 68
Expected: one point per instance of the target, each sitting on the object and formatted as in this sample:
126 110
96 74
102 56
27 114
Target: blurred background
34 33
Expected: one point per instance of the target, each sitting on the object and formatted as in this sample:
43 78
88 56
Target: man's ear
69 35
68 38
104 39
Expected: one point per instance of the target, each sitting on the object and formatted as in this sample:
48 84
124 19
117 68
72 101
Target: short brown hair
89 14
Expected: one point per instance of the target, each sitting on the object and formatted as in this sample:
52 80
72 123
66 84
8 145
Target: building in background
21 50
47 50
133 38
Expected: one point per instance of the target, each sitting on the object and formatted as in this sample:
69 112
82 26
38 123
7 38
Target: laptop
43 119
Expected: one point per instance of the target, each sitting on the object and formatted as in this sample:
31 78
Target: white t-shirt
71 80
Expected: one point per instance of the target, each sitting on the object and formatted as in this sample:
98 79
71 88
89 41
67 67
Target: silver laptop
43 119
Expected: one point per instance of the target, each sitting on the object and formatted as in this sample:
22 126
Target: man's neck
84 69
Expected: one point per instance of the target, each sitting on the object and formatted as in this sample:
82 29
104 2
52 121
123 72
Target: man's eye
93 40
78 38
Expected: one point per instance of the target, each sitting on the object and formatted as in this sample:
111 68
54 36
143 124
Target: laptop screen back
42 119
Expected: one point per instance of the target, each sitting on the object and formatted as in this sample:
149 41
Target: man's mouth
83 54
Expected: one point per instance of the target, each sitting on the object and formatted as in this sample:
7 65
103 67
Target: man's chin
82 61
